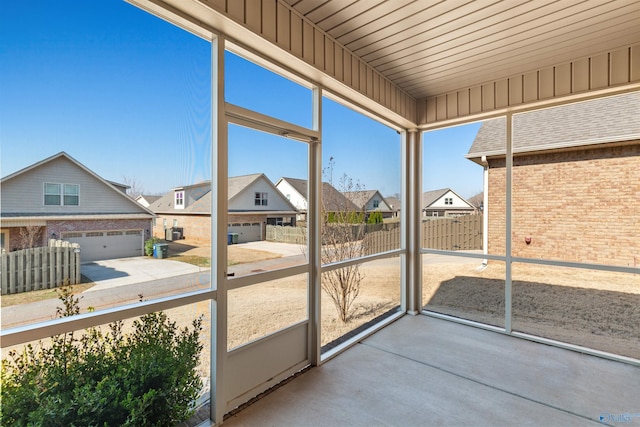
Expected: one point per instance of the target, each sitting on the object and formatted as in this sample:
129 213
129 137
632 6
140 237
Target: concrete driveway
112 273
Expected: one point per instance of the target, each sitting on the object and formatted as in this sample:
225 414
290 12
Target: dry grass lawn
594 309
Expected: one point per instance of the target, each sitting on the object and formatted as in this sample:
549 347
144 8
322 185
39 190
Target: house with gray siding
370 201
60 198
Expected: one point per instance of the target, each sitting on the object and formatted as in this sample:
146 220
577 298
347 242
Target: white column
314 240
219 168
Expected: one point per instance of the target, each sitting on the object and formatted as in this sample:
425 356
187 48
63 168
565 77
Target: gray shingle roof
428 197
610 119
333 200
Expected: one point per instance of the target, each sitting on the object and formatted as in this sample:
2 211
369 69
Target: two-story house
60 198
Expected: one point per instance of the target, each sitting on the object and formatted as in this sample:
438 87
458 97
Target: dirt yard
594 309
589 308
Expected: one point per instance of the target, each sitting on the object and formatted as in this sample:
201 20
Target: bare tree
135 187
343 231
30 237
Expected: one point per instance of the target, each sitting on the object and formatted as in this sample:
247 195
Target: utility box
168 234
160 250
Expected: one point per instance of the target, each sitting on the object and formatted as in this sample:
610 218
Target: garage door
97 245
247 232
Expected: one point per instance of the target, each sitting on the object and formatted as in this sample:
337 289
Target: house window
71 195
376 203
52 194
261 199
448 200
61 194
4 241
175 222
179 200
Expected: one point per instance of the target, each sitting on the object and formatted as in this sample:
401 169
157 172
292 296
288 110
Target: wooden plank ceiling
429 47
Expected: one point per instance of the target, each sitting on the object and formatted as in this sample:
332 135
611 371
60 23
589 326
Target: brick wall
198 228
581 205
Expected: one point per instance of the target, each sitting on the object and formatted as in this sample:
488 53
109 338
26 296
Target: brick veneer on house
581 205
198 227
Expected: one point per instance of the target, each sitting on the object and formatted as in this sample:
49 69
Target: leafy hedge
145 378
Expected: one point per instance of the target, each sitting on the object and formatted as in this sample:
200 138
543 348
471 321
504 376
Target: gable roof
300 185
362 197
393 202
192 193
430 197
198 196
113 186
149 199
333 200
599 121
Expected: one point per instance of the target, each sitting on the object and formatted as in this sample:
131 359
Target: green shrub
148 245
145 378
375 218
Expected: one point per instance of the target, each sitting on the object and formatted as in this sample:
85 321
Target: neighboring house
370 201
253 202
394 204
66 200
295 190
445 202
575 181
146 200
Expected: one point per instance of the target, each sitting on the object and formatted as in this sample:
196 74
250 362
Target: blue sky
127 95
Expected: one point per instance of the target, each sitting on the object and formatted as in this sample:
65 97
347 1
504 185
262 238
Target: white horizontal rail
347 263
41 330
265 276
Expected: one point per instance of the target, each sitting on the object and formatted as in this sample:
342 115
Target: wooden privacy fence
286 234
40 268
453 233
381 241
448 233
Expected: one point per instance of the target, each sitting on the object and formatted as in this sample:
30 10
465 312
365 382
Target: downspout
485 209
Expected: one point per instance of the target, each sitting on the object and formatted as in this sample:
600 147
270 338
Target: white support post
219 160
314 234
508 217
410 224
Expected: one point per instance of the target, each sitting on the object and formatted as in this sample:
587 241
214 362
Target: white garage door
97 245
247 232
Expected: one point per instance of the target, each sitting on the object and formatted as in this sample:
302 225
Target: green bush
148 245
375 218
145 378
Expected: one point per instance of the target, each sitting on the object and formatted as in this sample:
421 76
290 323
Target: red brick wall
581 205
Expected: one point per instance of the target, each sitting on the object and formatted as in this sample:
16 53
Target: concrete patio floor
426 371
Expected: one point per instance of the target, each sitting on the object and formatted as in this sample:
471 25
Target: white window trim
262 197
176 199
61 194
